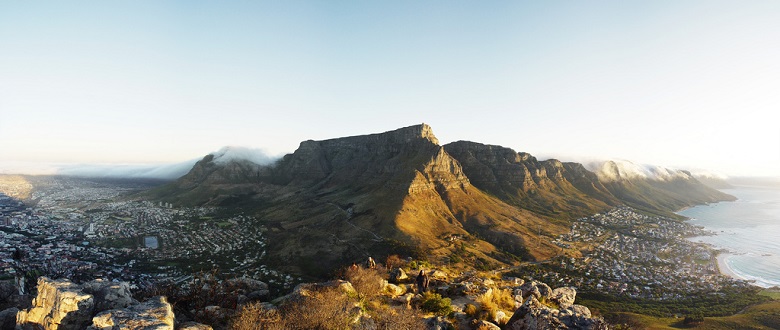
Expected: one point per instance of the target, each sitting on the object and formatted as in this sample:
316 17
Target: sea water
748 228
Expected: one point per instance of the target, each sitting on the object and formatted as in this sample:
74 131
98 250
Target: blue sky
689 84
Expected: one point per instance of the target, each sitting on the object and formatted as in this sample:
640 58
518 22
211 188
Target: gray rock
437 323
564 297
537 289
580 310
194 326
533 315
60 304
398 275
109 295
8 318
258 295
485 325
7 289
245 285
153 314
405 299
394 290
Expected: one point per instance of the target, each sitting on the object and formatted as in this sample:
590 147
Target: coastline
724 268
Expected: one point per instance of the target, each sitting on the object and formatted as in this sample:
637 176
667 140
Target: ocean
748 228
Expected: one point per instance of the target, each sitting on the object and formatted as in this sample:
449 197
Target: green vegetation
434 303
773 293
729 303
763 316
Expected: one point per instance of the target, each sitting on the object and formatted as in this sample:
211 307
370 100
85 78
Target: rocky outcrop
109 295
153 314
398 275
564 297
533 315
62 305
536 289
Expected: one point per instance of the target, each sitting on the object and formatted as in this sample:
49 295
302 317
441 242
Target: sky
685 84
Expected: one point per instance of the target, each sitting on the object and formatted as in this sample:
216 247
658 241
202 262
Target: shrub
396 319
255 317
368 283
325 309
496 299
471 310
694 319
434 303
394 261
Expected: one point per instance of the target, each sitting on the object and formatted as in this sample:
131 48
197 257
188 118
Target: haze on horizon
689 85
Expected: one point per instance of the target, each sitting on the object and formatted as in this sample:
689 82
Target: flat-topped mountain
343 199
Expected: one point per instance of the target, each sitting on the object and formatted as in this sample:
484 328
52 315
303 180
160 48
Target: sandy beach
724 268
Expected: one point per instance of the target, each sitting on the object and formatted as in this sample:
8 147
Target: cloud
152 171
135 171
129 171
231 153
614 170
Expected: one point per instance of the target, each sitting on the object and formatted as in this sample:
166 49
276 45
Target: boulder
194 326
485 325
580 310
398 275
153 314
438 323
564 297
501 317
8 318
394 290
438 275
109 295
537 289
245 285
532 315
7 289
405 299
258 295
60 304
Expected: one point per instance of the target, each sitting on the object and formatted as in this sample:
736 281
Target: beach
724 268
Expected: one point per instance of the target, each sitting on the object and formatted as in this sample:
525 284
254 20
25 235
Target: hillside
340 200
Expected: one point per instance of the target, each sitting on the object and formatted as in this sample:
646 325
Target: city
80 229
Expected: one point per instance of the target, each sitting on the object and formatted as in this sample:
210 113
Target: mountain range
340 200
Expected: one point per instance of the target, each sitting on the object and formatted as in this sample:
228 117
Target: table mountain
340 200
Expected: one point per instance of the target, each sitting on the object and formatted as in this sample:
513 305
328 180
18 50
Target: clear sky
691 84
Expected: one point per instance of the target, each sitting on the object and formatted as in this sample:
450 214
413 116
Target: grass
763 316
773 293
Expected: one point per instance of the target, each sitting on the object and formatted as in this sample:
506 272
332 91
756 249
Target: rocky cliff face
548 187
63 305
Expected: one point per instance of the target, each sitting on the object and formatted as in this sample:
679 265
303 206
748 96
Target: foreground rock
533 315
64 305
60 304
155 313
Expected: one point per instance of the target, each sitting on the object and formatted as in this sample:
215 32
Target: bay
749 229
